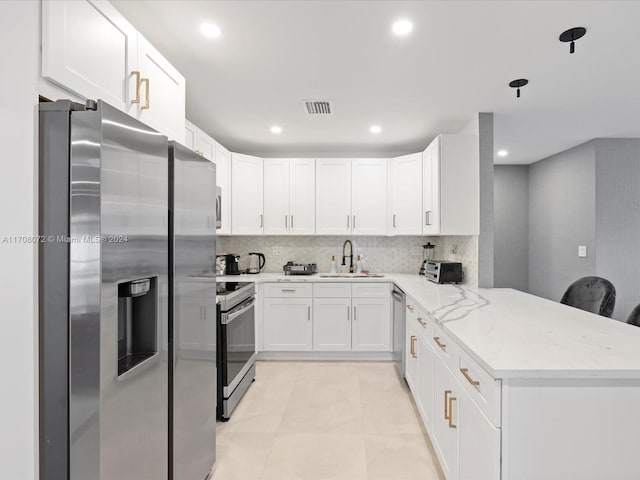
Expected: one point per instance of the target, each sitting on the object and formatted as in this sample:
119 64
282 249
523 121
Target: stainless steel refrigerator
192 195
108 353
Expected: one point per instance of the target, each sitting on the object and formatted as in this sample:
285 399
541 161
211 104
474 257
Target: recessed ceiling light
375 129
503 153
402 27
210 30
276 129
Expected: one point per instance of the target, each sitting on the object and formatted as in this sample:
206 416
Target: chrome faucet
344 262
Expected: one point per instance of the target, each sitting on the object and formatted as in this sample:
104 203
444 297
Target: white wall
19 50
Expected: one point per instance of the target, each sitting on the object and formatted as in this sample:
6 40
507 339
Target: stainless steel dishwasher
399 326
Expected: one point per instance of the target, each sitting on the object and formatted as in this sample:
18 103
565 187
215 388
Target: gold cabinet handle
451 424
443 346
136 74
410 308
446 403
422 322
412 348
146 97
465 372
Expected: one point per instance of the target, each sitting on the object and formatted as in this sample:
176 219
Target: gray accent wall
618 219
511 226
485 239
588 195
562 209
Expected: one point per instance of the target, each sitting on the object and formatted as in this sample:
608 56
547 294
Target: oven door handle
243 307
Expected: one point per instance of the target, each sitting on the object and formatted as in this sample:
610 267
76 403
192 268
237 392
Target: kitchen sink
351 275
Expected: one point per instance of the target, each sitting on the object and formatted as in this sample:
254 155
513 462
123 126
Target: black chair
634 316
593 294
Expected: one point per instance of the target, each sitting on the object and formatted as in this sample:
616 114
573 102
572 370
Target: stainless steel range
236 343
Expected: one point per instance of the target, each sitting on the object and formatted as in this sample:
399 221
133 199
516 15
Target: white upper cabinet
205 146
451 186
91 50
276 196
369 196
289 196
223 180
190 132
431 188
302 196
333 196
247 215
162 92
405 202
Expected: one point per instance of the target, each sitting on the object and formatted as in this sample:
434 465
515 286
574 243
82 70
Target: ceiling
458 60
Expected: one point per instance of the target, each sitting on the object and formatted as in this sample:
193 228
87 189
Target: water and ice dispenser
137 322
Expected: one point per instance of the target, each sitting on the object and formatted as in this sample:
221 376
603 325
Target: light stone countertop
514 334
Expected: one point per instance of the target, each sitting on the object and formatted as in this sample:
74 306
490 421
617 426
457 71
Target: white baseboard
327 356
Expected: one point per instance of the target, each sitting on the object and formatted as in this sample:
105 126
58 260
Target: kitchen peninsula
498 374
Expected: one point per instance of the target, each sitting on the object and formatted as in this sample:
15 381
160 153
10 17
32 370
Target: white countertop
513 334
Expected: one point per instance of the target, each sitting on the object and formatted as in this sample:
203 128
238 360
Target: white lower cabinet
324 317
332 324
287 324
443 381
479 443
371 325
446 420
425 371
411 359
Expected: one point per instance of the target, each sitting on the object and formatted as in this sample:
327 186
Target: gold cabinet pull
422 322
136 74
412 347
451 424
465 372
410 308
146 96
441 345
446 403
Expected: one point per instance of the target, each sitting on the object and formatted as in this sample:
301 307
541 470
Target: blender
428 252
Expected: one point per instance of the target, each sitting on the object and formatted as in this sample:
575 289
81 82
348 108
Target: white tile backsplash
380 254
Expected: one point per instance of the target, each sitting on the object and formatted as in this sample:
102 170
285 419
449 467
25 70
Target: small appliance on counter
299 269
231 263
256 262
427 256
443 271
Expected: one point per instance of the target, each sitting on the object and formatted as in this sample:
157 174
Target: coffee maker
230 262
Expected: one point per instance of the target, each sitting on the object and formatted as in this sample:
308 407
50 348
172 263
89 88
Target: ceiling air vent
314 107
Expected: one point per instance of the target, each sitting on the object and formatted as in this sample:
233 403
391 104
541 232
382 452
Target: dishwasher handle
398 295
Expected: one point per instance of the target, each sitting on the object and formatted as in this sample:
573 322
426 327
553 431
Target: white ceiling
272 55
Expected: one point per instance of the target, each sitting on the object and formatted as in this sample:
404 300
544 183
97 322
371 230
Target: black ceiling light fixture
572 35
520 82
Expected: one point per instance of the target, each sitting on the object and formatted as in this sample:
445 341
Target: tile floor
325 421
